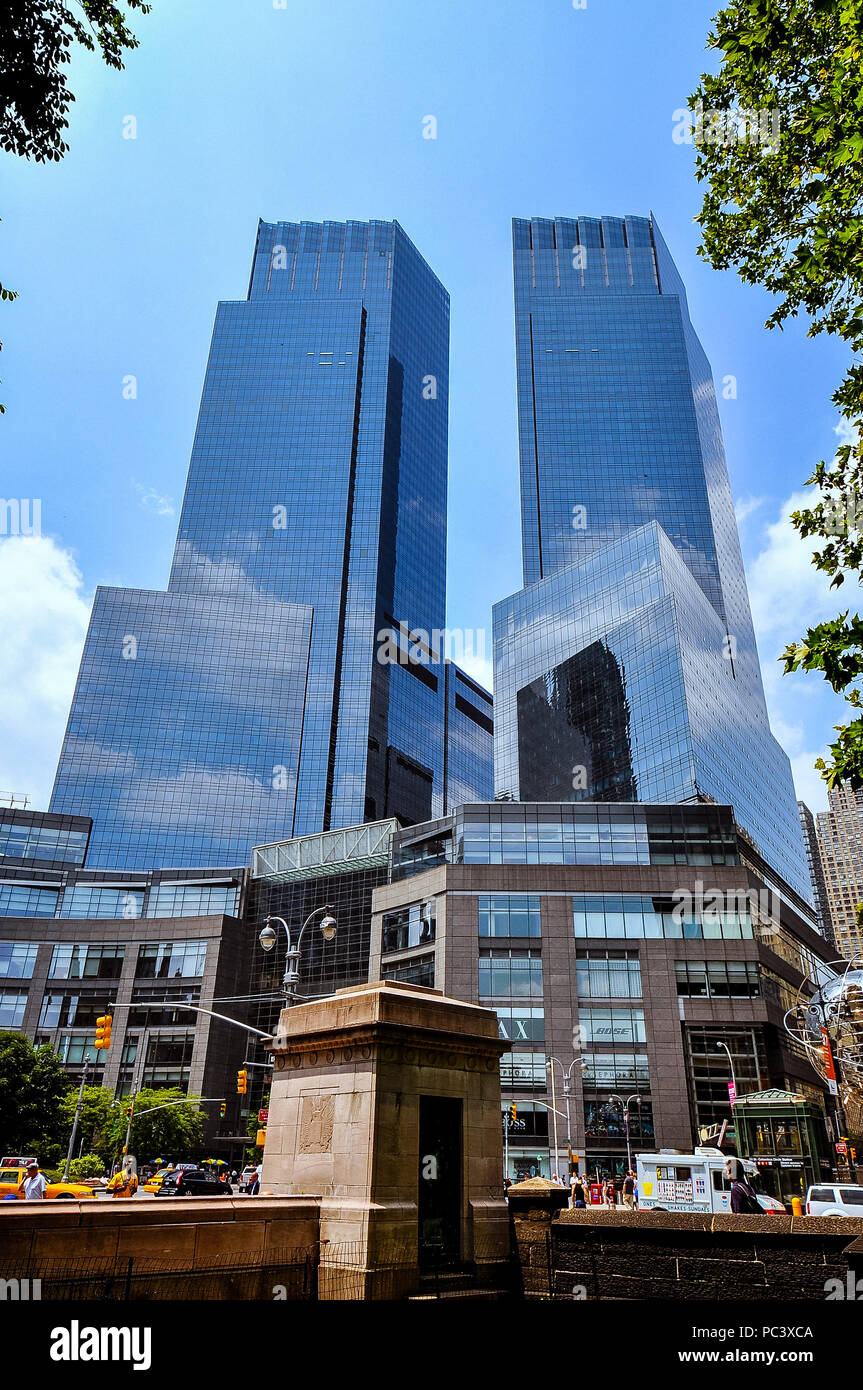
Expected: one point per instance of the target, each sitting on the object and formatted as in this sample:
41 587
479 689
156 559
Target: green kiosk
785 1135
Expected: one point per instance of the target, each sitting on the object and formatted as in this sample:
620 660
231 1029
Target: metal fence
289 1274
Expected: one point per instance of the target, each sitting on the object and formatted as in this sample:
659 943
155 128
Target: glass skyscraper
249 703
626 669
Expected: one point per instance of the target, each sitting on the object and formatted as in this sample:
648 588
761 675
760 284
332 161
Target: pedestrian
32 1186
255 1185
609 1194
124 1183
579 1198
629 1190
744 1199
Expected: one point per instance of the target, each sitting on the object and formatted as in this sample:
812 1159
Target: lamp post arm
195 1009
312 914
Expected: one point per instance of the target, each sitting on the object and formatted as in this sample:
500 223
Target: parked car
835 1199
68 1191
193 1183
155 1182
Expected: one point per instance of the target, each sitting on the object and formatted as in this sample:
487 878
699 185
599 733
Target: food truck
696 1182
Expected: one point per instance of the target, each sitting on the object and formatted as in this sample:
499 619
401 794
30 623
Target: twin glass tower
249 703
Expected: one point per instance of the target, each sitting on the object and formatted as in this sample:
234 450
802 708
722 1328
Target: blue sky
315 110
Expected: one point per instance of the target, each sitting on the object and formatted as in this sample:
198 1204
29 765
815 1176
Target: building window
510 975
531 1121
94 901
79 962
193 900
604 1119
509 914
169 1057
608 974
148 1015
17 959
72 1010
18 901
418 971
523 1069
613 1025
73 1047
520 1023
42 842
410 926
632 915
717 979
12 1005
608 1071
709 1072
162 960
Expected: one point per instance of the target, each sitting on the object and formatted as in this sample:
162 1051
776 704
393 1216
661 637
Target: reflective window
78 962
169 959
520 1023
92 900
419 970
611 1070
613 1025
17 959
717 979
509 914
12 1005
193 900
17 900
510 974
523 1069
633 915
409 926
608 974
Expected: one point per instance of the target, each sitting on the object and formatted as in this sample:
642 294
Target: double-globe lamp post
269 937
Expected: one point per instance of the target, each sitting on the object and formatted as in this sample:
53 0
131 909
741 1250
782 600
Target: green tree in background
96 1120
787 212
33 1086
171 1133
37 39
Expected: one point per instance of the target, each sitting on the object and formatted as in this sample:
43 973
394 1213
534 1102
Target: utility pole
75 1121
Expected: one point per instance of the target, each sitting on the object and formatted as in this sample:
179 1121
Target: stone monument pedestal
386 1104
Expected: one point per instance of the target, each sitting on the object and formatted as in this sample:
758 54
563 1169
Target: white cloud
745 506
153 501
45 616
788 595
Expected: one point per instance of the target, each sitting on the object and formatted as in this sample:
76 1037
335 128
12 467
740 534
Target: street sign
842 1148
263 1116
732 1092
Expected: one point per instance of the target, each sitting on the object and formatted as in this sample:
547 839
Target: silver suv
835 1199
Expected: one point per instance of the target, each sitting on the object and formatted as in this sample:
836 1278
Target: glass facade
256 699
627 670
583 833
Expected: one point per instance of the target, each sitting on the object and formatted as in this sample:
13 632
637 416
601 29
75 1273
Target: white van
696 1182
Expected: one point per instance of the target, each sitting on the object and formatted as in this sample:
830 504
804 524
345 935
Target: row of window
157 960
98 901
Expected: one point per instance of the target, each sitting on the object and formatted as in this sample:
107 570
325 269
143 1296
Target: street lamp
625 1109
268 938
567 1092
722 1045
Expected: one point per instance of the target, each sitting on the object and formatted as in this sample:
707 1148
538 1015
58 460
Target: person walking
609 1194
629 1190
32 1186
579 1196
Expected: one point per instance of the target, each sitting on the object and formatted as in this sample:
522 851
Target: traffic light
512 1111
260 1138
103 1032
223 1110
130 1110
242 1082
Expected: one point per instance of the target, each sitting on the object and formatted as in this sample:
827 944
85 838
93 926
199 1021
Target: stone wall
199 1244
597 1254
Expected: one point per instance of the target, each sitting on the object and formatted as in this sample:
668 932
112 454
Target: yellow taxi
155 1182
11 1178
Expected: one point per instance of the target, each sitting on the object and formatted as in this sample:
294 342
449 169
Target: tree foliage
37 39
33 1085
788 214
95 1122
171 1133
